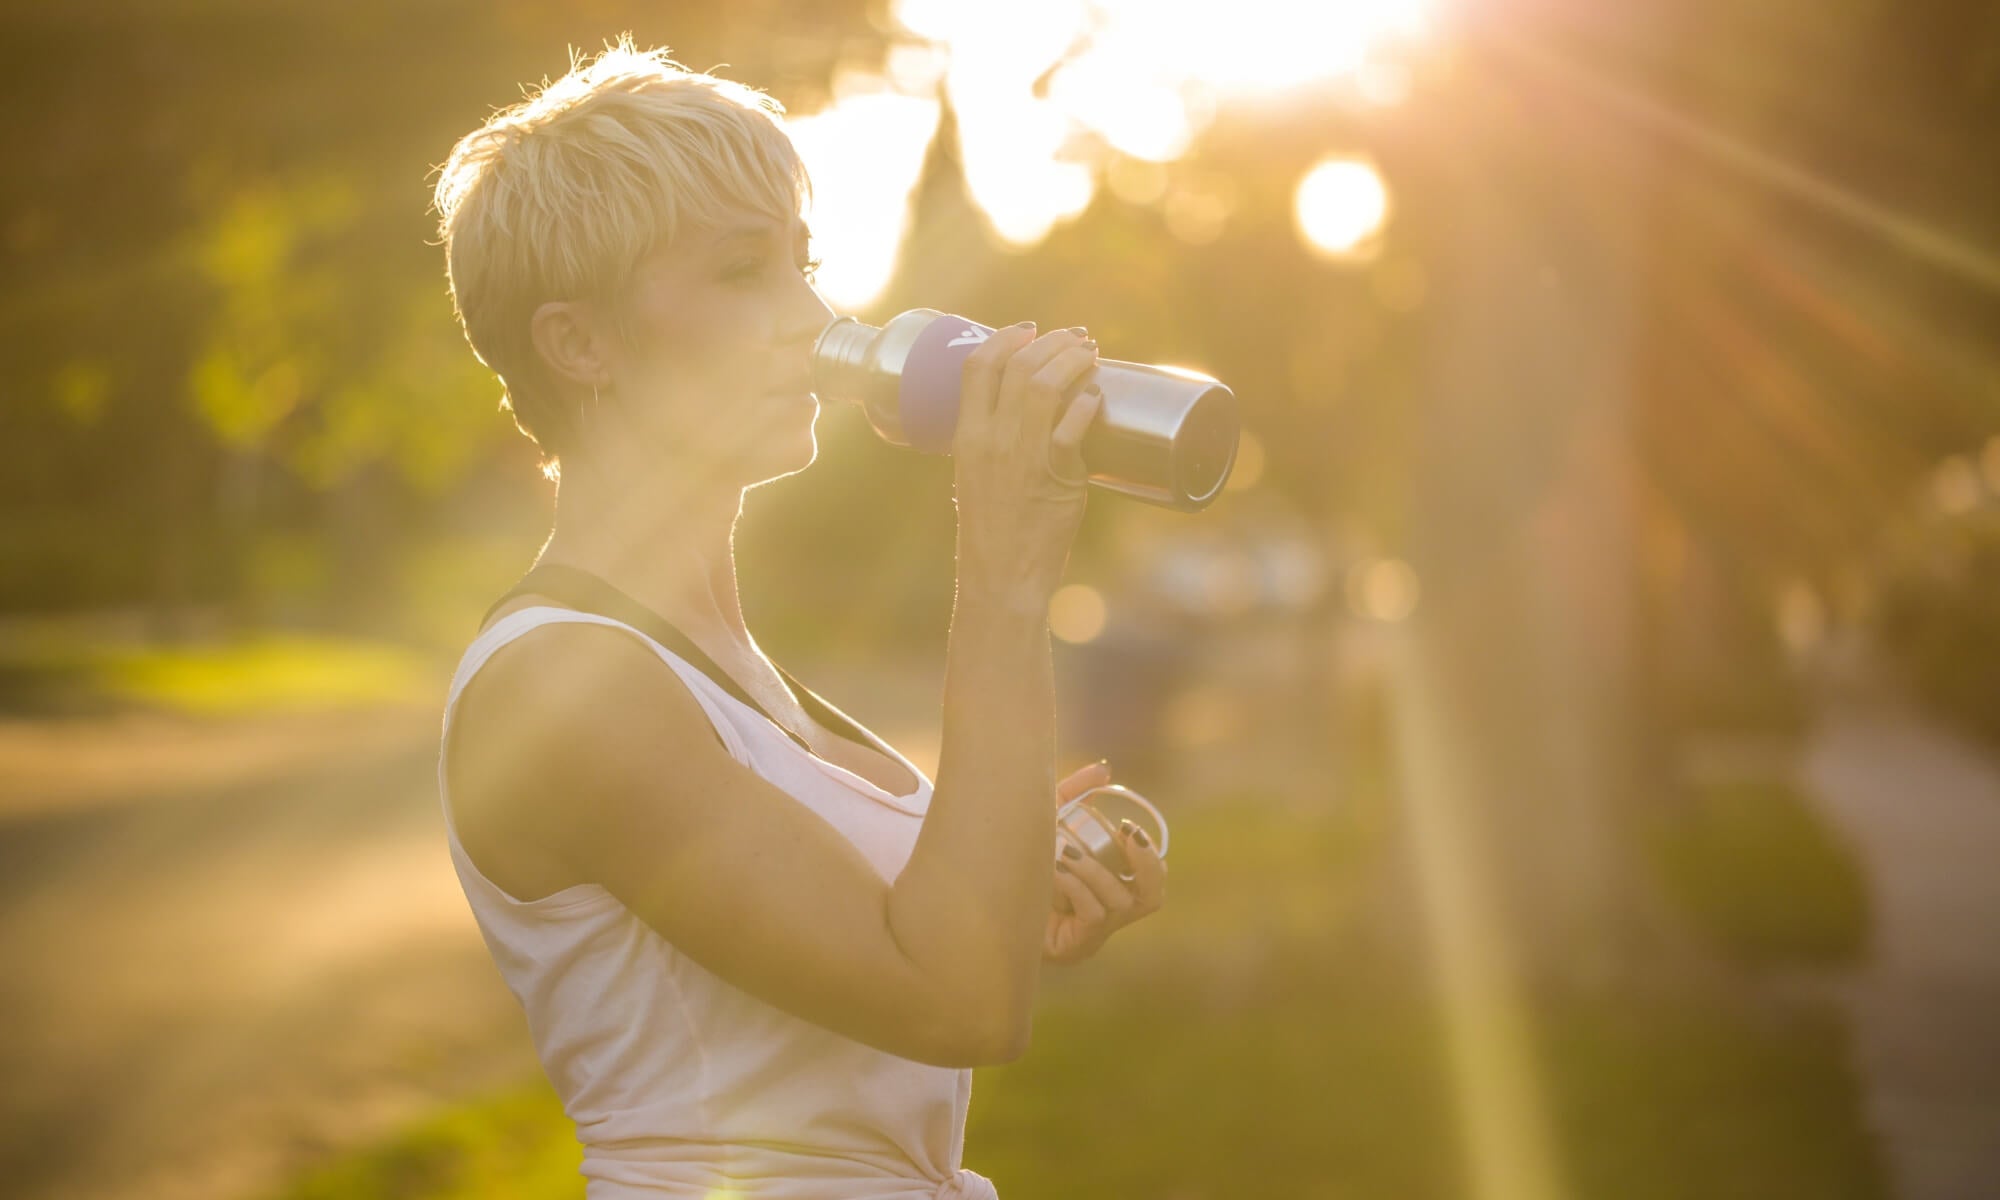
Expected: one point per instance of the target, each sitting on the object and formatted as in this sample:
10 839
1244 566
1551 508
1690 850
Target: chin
804 451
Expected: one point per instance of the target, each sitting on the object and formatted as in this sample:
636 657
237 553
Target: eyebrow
757 232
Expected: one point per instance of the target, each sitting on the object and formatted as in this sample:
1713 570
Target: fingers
979 383
1149 870
1075 784
1038 396
1125 900
1032 384
1115 903
1066 444
1081 780
1082 898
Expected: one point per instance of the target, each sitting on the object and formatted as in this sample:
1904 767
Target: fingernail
1090 342
1079 330
1024 324
1064 868
1071 852
1140 837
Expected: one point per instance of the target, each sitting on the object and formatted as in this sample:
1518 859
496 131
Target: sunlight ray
1956 256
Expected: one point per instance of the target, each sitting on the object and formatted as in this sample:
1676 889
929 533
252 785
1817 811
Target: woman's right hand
1021 481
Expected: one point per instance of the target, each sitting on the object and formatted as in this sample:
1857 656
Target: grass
241 674
1248 1044
1768 882
516 1143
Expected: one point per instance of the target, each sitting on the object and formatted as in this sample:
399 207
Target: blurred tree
222 300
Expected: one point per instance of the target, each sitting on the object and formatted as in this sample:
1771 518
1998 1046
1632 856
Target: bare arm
975 897
579 744
973 902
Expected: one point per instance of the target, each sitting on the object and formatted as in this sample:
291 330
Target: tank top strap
520 621
477 655
586 592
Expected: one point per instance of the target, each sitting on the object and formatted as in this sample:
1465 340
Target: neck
664 542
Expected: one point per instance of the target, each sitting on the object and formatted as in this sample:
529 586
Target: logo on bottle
928 385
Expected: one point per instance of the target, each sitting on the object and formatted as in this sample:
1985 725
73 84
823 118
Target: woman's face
715 369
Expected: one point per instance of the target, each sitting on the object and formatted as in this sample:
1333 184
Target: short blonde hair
560 195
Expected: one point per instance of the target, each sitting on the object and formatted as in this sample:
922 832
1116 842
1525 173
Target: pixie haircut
559 196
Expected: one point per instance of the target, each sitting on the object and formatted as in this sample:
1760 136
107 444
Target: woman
756 956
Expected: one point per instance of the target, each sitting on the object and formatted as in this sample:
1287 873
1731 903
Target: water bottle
1163 435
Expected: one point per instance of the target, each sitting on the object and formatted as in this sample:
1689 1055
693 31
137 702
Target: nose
806 315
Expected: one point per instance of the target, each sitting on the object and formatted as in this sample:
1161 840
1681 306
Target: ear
568 340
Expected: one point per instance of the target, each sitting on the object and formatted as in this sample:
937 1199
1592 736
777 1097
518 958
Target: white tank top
681 1084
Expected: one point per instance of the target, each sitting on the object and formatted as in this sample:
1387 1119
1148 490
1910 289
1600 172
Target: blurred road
235 946
1922 808
229 946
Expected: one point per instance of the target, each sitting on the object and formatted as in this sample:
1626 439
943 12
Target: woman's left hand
1091 902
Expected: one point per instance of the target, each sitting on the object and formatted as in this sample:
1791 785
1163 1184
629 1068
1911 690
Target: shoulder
572 677
568 701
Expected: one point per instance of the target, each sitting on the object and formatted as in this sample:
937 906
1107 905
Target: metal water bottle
1162 434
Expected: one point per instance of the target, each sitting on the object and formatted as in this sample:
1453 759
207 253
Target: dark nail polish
1071 852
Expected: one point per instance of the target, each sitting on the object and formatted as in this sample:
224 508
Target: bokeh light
1195 215
1076 613
1955 486
1801 616
1341 204
1062 95
864 153
1382 590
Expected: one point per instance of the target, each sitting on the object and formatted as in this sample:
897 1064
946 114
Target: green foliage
516 1144
1663 1099
263 351
1758 695
80 390
272 672
441 589
1762 875
1938 620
